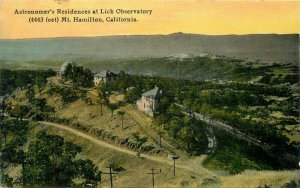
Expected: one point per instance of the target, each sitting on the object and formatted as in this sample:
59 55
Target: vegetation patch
210 181
235 155
48 160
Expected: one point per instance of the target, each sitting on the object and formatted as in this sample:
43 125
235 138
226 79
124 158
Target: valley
227 120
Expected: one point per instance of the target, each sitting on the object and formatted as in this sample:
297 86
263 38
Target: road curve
116 148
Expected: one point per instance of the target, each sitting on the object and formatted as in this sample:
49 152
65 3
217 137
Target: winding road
236 133
186 165
192 164
224 126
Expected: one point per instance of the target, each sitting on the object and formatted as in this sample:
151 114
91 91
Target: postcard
149 93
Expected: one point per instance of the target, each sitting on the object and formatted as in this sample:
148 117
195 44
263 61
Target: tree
86 77
122 113
186 136
101 102
133 94
51 161
112 108
41 108
30 94
122 82
79 76
104 93
39 81
88 172
40 104
164 103
160 130
138 138
20 111
5 180
21 78
3 105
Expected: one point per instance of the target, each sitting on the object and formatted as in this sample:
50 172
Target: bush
117 167
292 184
138 139
210 181
5 180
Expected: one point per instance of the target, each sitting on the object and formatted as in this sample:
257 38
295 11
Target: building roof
153 93
104 73
64 66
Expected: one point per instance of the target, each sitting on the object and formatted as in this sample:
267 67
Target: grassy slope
136 169
101 156
90 115
250 179
139 168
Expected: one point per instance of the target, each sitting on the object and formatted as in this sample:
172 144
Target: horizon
141 35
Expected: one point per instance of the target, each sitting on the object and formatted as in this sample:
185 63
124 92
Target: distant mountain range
268 47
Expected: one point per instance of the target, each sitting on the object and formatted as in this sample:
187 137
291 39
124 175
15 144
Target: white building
105 77
149 101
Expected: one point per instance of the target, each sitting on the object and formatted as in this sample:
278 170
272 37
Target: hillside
101 156
189 171
259 104
268 47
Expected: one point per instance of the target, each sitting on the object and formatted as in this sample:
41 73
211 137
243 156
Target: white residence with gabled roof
105 77
149 101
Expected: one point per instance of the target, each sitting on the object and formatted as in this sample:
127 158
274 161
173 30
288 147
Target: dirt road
179 164
193 164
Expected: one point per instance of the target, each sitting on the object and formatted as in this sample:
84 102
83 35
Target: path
126 151
212 141
236 133
224 126
144 122
188 163
145 126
